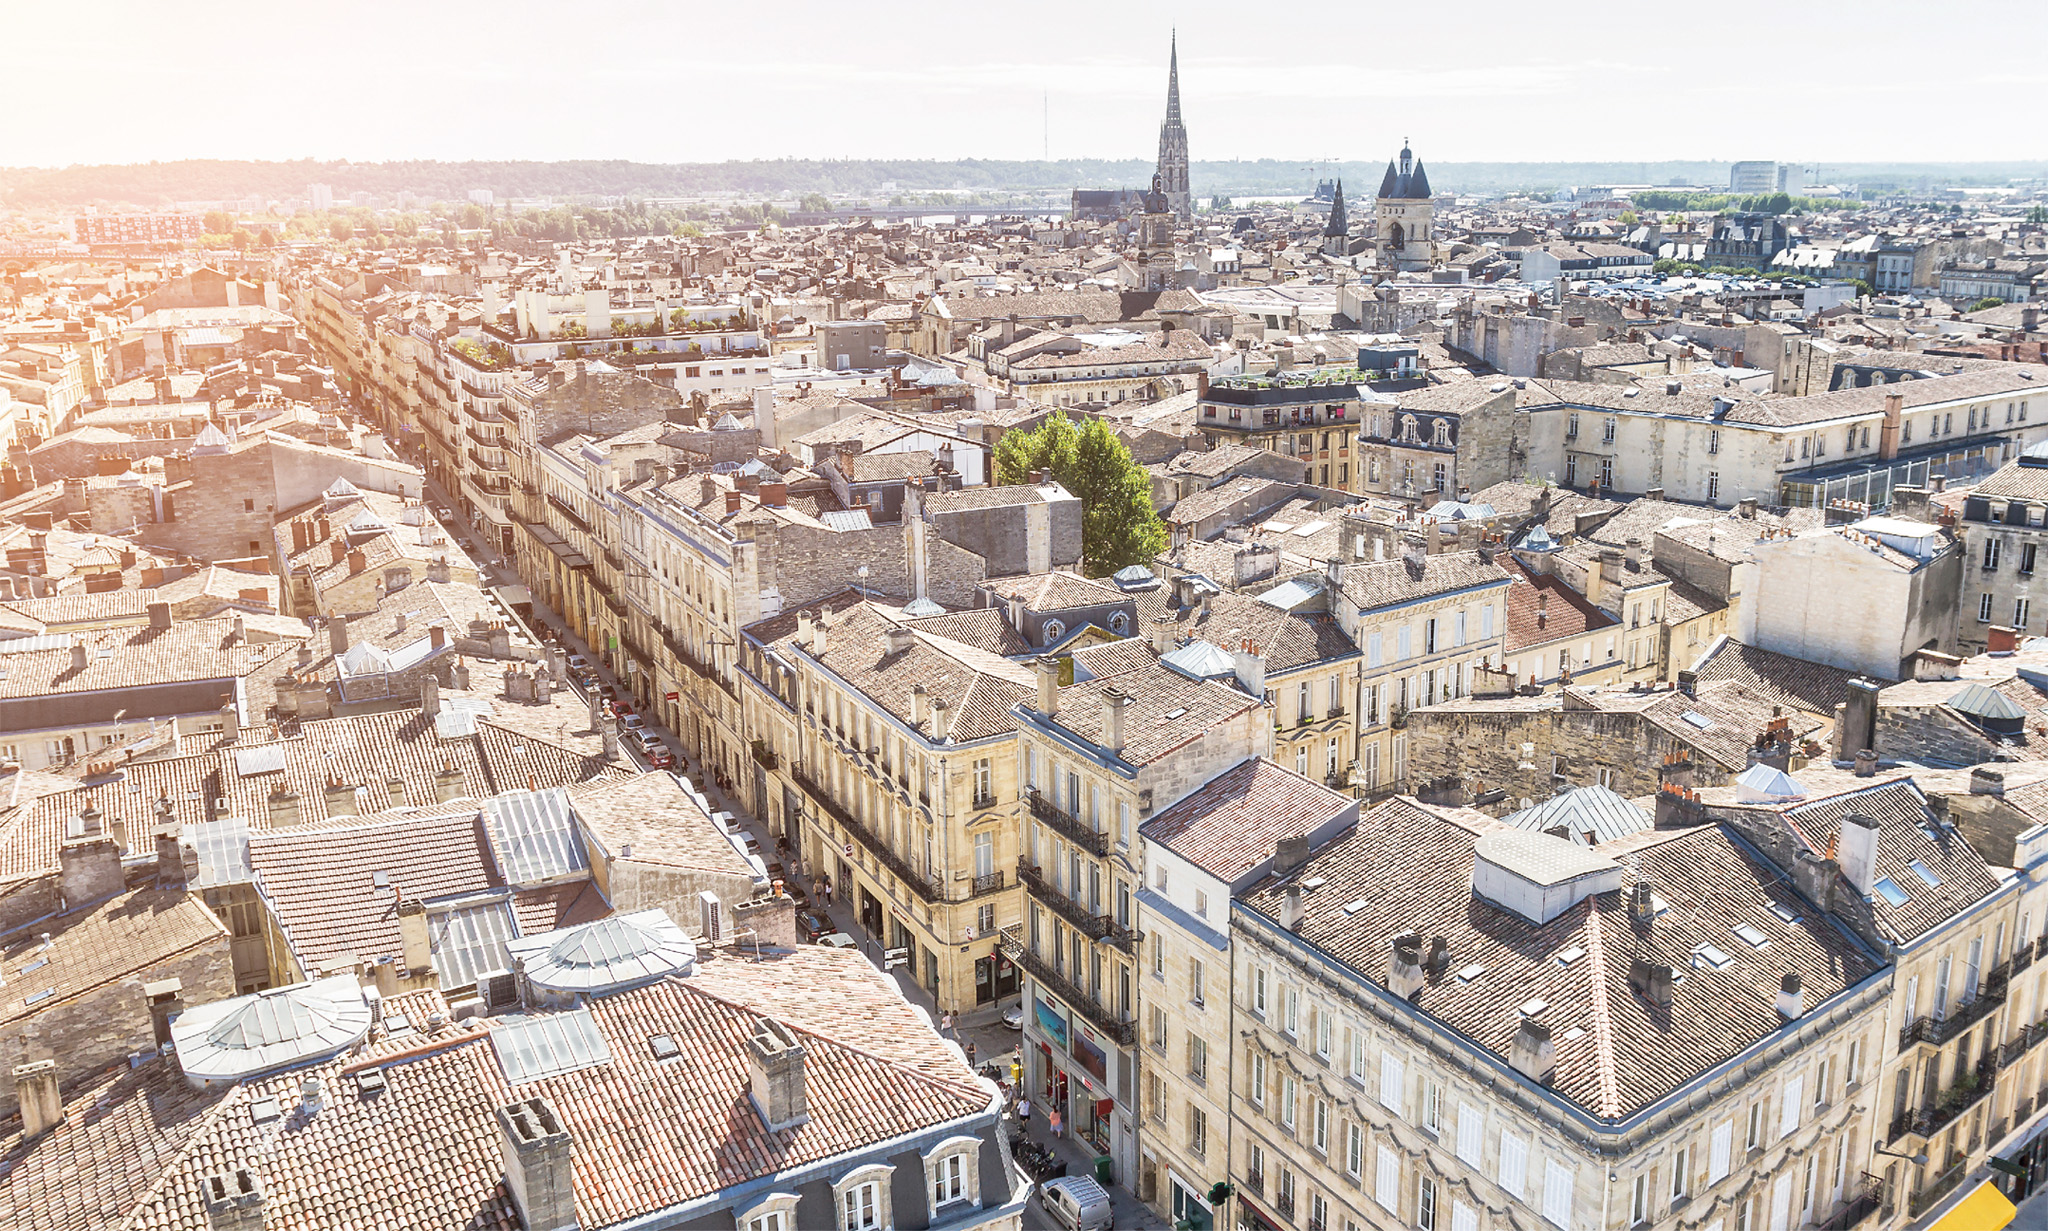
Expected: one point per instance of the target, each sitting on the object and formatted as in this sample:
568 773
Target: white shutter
1717 1157
1464 1217
1788 1115
1557 1193
1470 1121
1486 621
1387 1184
1514 1163
1781 1204
1391 1081
1374 656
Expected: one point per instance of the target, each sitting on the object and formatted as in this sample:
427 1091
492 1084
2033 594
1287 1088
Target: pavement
980 1029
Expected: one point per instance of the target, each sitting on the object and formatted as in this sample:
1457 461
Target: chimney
1289 853
79 655
1856 849
1746 507
412 933
732 503
42 1109
818 633
1404 965
1888 435
1532 1053
1114 703
1634 547
283 807
166 1000
89 868
448 782
1290 907
1815 877
1858 723
1048 685
1866 763
1984 781
539 1158
2000 639
920 705
1791 997
775 1075
1650 980
1642 901
1653 493
357 562
1162 634
337 635
234 1200
1414 552
159 615
430 695
899 640
230 719
942 720
339 797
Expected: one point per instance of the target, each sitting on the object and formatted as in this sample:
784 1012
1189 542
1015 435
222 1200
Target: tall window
1258 1079
1991 547
1514 1163
949 1181
1259 990
1322 1127
1354 1149
862 1206
1425 1204
1198 1129
984 854
984 782
1557 1193
1287 1100
1195 979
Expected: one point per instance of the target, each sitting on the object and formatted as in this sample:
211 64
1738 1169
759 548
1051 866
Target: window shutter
1788 1115
1387 1184
1514 1163
1464 1217
1717 1156
1557 1194
1470 1122
1392 1079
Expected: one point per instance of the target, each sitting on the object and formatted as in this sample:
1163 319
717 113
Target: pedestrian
946 1023
1024 1111
1053 1118
970 1053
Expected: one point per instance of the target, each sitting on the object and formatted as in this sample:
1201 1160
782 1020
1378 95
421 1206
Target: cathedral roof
1405 179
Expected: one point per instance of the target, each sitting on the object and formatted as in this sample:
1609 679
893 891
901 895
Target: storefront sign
1092 1059
1051 1022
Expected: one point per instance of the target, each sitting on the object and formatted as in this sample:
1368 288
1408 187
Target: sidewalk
1126 1211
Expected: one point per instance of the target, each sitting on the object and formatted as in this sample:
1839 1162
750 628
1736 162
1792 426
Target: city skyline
911 81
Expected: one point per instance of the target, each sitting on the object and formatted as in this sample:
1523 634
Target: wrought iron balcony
928 887
1951 1103
697 665
1860 1208
992 883
1923 1200
1079 917
1099 1015
764 755
1066 824
1961 1018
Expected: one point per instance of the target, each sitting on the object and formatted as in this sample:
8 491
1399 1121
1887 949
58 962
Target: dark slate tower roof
1405 179
1339 223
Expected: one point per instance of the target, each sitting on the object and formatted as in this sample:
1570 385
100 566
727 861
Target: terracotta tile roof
651 814
1055 591
1384 583
136 656
1287 640
1228 827
1167 710
1405 867
1542 609
122 1129
1907 831
980 687
984 629
1814 687
99 944
425 1151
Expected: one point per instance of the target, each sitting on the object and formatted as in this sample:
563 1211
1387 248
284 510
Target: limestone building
1405 216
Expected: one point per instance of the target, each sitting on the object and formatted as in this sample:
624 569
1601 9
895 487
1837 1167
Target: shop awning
1986 1209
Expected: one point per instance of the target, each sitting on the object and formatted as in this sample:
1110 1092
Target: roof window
1471 972
1571 955
1752 935
1710 957
1889 890
1925 873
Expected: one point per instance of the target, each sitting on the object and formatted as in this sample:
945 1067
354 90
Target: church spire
1173 79
1339 222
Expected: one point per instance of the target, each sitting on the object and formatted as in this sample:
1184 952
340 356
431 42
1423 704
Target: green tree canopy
1987 303
218 222
1119 526
815 203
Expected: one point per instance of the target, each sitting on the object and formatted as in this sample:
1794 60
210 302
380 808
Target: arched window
1120 624
1053 631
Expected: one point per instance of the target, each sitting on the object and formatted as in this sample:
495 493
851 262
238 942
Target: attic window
1708 957
1925 873
264 1110
1576 1032
1752 936
380 880
38 964
396 1023
1535 1007
1471 972
1784 912
1312 884
1571 955
663 1046
1698 719
1889 890
39 997
1176 712
1354 906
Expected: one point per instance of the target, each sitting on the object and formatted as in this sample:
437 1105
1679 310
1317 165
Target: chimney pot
1404 965
233 1200
42 1108
1048 686
1791 997
1532 1053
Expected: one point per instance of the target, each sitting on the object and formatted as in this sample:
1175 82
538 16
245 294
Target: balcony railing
764 756
484 463
1255 1182
1066 824
927 887
2023 1042
992 883
1961 1018
702 669
1283 1203
1923 1200
1099 1015
1859 1208
1079 917
1951 1103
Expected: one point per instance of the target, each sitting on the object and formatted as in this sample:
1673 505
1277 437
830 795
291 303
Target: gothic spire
1339 223
1173 80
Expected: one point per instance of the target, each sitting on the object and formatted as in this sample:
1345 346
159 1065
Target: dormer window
774 1212
955 1179
863 1199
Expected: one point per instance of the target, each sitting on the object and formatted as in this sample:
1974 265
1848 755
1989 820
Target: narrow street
981 1029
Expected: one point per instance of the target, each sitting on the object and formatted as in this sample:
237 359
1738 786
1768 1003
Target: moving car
1013 1017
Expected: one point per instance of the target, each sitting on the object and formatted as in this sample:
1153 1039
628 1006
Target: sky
1815 81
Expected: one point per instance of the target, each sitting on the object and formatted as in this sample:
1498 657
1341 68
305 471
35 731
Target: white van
1076 1202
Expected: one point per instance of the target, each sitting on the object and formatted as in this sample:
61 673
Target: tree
1628 218
341 230
1219 201
266 239
241 238
219 222
1987 303
1119 526
2038 215
815 203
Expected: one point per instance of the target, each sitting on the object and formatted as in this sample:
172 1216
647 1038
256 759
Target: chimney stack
1114 703
898 640
42 1108
160 616
1856 850
337 635
539 1157
1404 965
920 705
942 719
1985 781
1532 1053
412 933
1791 997
1048 685
775 1075
1290 907
1162 634
234 1200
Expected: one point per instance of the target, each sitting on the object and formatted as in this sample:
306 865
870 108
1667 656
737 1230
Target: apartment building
1099 759
1311 415
1448 1024
888 756
1198 855
2001 534
1427 623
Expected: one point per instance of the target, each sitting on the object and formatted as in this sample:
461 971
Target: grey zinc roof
613 952
534 835
532 1046
230 1039
1582 810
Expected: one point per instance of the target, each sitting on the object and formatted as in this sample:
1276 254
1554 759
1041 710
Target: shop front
996 977
1072 1069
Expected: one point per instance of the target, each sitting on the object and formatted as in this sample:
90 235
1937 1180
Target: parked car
579 665
1013 1017
1076 1203
816 926
632 721
839 940
796 893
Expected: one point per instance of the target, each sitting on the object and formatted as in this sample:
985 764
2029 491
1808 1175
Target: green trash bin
1105 1171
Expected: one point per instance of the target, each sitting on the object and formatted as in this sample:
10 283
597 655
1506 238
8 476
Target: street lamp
1918 1160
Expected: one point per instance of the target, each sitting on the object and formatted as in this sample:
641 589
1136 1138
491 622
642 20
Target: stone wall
1929 733
1486 746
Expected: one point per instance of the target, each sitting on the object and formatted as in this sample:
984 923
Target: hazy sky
1480 80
